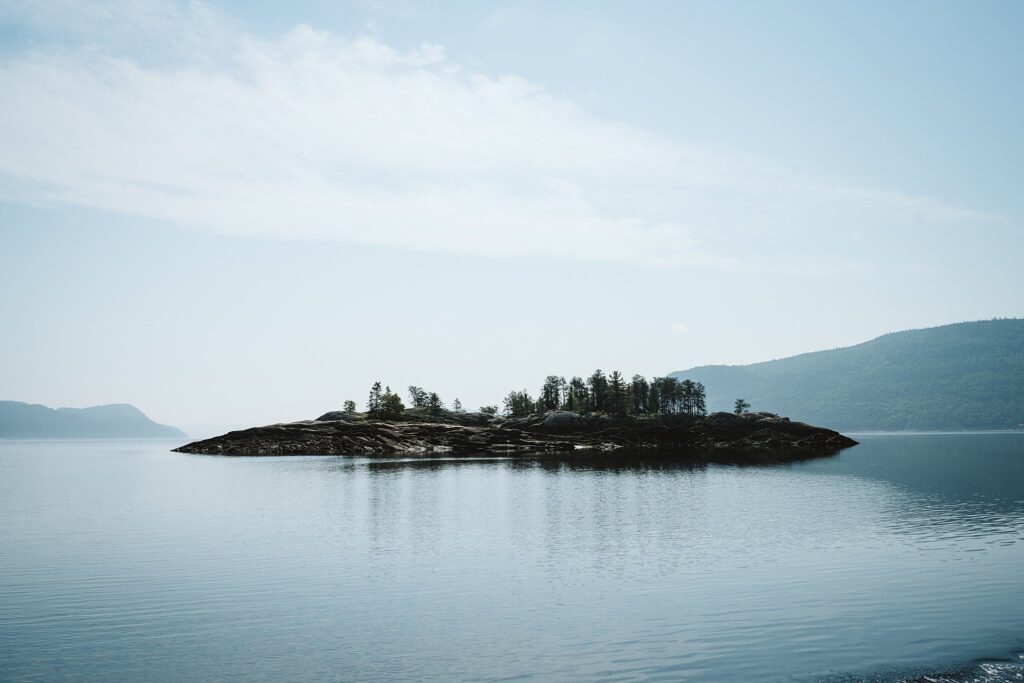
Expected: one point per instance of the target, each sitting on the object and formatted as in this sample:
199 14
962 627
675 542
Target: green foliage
519 404
962 376
551 393
489 410
373 403
457 406
740 406
391 406
384 405
349 407
612 394
616 398
597 384
417 397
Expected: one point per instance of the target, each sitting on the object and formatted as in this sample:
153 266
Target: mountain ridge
967 375
19 420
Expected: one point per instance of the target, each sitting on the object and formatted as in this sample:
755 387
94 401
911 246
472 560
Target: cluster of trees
613 394
387 405
599 393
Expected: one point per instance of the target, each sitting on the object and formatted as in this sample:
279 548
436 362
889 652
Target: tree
457 406
616 401
740 407
434 403
391 406
577 397
598 386
417 397
639 393
700 405
373 403
551 393
686 396
349 407
519 404
489 410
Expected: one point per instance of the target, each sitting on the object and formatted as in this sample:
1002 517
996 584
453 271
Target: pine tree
598 386
391 406
577 398
551 393
639 392
349 407
519 404
616 401
457 406
700 400
434 403
740 407
417 397
373 403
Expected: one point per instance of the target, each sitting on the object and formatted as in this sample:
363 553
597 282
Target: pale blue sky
232 213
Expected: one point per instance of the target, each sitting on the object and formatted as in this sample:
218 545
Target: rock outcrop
476 433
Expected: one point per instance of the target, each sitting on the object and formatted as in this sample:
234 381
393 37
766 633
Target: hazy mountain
116 421
962 376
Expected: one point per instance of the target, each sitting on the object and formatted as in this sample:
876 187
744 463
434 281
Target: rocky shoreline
419 432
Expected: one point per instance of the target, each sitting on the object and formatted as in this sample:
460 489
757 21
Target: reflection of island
619 461
426 432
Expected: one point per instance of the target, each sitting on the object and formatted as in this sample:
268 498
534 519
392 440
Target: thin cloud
319 136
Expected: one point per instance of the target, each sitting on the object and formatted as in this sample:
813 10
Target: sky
233 213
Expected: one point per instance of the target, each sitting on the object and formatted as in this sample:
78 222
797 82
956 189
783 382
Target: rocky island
426 431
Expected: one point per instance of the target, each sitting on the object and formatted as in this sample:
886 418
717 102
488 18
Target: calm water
899 558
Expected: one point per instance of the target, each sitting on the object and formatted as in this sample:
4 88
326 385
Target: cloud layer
315 135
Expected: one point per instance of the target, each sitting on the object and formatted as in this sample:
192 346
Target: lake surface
900 558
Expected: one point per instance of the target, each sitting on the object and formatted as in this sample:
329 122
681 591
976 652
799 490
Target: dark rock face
474 433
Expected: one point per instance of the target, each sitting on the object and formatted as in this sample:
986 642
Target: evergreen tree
686 397
391 406
457 406
700 404
417 397
434 403
577 397
519 404
740 407
349 407
639 392
489 410
616 397
598 385
551 393
373 403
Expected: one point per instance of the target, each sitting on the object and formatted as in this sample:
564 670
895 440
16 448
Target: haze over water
899 557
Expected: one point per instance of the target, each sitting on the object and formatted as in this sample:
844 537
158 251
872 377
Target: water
900 559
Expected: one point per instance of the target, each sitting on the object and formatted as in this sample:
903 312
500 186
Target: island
420 431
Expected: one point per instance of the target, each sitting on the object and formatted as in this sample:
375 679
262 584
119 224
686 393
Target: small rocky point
421 432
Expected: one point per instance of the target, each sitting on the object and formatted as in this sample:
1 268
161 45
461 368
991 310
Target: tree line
598 393
613 394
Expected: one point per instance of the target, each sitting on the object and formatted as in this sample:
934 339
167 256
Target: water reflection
889 560
621 460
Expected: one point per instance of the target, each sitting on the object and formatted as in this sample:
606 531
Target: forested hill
962 376
117 421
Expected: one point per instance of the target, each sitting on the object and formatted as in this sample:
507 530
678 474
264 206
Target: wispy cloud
315 135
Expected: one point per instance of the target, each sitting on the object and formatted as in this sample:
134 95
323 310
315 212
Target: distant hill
962 376
116 421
